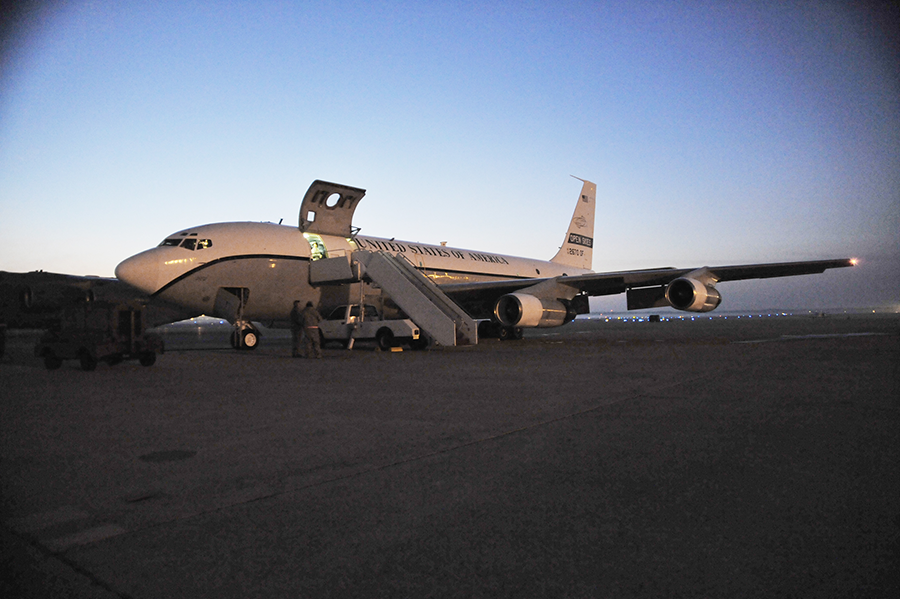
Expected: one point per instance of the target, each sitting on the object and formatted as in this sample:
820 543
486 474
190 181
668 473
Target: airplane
248 272
35 300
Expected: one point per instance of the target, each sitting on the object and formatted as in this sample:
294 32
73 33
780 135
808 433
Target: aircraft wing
478 298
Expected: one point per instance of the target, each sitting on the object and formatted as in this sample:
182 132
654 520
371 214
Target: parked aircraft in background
35 300
246 272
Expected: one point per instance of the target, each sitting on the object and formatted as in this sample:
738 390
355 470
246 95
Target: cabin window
189 244
170 242
204 243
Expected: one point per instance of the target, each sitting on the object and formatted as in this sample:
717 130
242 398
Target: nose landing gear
245 336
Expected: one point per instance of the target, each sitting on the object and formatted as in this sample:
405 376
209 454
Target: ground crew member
296 329
310 319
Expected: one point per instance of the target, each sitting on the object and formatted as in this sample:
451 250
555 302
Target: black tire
51 362
88 362
249 338
385 338
510 333
147 358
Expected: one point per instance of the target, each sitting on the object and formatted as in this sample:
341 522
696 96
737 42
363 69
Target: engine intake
692 295
526 310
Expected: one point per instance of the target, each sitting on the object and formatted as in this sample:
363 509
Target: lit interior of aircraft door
317 249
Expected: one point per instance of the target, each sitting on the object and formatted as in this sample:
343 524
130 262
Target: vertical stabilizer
578 246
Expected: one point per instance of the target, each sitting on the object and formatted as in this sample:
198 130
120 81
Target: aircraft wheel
510 333
51 362
246 338
385 339
147 358
88 362
249 338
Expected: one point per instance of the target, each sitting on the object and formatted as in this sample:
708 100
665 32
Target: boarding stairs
417 295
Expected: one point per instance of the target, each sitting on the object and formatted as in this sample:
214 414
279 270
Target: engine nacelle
692 295
526 310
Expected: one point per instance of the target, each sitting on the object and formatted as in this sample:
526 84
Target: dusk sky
716 132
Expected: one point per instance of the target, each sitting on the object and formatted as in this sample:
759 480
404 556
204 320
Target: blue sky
717 132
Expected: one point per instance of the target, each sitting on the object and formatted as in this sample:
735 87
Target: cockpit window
188 244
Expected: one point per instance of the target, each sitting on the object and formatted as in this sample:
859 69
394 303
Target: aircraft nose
140 271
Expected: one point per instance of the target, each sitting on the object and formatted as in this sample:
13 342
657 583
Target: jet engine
526 310
692 295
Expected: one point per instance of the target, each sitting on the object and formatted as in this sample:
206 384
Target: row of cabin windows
316 244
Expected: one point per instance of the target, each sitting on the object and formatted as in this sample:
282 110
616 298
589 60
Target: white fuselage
272 262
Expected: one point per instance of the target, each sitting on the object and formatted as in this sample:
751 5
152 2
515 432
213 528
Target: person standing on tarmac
310 318
296 329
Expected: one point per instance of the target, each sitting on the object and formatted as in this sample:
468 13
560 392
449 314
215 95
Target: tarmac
707 458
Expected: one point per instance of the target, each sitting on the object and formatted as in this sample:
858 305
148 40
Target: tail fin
578 247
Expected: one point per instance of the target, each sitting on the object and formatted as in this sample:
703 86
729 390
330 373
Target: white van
347 322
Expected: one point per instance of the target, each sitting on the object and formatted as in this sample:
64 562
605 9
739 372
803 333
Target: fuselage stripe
425 270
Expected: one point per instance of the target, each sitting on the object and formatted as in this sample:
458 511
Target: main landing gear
510 333
488 329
